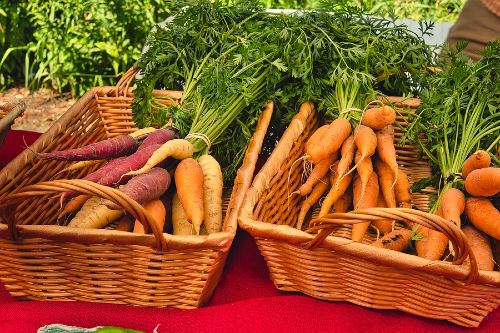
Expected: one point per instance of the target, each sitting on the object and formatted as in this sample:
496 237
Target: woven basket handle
10 203
12 110
126 80
326 224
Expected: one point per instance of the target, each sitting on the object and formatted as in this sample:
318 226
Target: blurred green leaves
73 45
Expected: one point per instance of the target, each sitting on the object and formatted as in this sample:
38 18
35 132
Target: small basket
337 269
41 260
8 114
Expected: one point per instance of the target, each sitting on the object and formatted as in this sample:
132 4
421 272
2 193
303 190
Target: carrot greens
459 113
229 60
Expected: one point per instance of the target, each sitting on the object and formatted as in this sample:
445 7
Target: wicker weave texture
42 260
335 276
43 269
342 270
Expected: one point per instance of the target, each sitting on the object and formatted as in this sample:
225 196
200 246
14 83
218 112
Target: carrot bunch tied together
144 172
364 173
460 123
348 157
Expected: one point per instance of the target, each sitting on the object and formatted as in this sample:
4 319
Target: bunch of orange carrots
141 171
357 169
475 206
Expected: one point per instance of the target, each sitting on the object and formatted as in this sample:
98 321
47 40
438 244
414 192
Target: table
244 301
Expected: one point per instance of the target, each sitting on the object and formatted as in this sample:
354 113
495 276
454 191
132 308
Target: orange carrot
344 203
189 183
483 182
365 169
316 137
75 204
378 118
321 146
402 189
369 200
402 193
407 204
420 244
480 159
484 216
397 240
336 191
346 157
480 247
366 142
138 228
452 205
157 211
386 150
434 243
384 225
316 194
386 180
319 171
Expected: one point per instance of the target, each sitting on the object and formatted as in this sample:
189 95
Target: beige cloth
478 23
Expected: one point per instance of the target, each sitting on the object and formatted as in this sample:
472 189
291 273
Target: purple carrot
146 187
102 171
115 147
115 170
158 137
112 173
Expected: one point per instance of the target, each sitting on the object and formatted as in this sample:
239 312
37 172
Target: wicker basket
338 269
8 113
40 260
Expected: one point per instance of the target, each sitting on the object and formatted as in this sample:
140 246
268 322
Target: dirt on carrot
397 240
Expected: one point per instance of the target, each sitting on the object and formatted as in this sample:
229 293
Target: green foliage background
72 45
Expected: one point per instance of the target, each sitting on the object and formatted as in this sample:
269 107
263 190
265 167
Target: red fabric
14 143
245 300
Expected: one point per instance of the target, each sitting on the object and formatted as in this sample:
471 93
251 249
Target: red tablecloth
244 301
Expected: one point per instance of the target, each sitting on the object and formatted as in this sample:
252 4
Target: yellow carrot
180 222
176 148
212 193
94 214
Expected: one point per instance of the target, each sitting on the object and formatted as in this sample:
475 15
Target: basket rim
105 236
292 236
217 241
